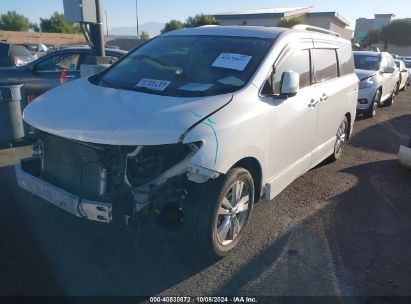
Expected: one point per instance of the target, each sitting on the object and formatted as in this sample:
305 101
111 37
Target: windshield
408 64
189 65
367 62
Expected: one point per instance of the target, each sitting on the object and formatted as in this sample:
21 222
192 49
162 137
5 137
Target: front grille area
72 166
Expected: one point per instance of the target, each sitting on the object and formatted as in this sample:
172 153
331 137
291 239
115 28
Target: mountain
152 28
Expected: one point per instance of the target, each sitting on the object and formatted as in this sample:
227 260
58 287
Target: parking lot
341 229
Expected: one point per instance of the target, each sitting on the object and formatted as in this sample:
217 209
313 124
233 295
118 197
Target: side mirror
388 70
290 83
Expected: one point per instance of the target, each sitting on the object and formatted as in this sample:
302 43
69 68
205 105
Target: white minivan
209 120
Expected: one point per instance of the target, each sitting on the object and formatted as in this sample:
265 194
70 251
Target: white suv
208 120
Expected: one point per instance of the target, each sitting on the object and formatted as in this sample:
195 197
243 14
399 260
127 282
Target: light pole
138 32
105 11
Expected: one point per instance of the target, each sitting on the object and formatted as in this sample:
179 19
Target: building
272 16
364 25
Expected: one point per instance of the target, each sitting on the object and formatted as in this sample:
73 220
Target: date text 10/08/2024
203 300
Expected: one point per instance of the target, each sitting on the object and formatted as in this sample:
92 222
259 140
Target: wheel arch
252 165
348 115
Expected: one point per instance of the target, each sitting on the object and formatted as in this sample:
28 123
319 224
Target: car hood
82 111
363 74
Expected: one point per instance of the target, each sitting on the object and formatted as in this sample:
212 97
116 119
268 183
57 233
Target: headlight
366 83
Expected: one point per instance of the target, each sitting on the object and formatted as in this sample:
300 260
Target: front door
294 121
46 74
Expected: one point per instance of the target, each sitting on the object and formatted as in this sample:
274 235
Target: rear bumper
91 210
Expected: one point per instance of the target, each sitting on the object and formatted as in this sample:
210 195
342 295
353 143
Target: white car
209 120
404 74
379 81
408 66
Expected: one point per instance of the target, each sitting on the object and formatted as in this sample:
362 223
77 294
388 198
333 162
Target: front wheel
372 110
341 139
217 212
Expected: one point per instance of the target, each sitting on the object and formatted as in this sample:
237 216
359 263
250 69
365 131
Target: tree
397 33
200 20
144 35
57 24
373 36
172 25
12 21
290 22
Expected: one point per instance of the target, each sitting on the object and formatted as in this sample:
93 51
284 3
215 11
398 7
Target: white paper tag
232 61
153 84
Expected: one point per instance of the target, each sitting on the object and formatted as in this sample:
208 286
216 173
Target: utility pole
106 21
97 32
138 31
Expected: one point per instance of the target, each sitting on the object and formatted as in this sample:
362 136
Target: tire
372 110
211 221
342 137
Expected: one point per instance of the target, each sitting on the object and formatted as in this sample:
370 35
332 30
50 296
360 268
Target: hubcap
233 213
341 138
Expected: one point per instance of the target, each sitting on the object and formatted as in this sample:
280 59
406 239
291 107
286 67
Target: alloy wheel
233 213
342 135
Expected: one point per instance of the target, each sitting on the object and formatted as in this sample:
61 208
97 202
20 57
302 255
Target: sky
122 12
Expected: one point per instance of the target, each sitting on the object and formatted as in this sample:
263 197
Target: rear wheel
341 139
372 110
217 212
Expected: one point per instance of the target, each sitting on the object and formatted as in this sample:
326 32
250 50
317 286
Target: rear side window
298 62
19 51
59 62
325 64
346 60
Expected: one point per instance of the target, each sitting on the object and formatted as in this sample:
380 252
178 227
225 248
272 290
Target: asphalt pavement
343 228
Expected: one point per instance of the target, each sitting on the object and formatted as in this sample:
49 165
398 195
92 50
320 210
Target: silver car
379 81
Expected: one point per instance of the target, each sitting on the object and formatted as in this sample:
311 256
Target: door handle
71 76
324 97
313 103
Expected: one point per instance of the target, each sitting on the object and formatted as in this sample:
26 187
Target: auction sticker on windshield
153 84
232 61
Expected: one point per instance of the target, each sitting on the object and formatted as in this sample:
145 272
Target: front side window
59 62
325 64
367 62
188 65
298 62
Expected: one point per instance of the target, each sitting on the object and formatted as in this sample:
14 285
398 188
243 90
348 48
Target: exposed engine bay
128 178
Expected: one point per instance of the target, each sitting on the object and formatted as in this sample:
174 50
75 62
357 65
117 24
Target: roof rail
315 29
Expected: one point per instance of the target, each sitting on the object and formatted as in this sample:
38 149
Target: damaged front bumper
91 210
90 182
